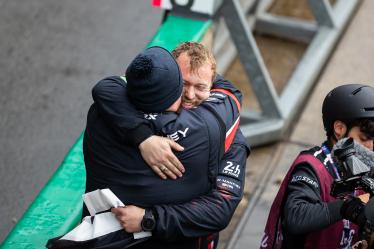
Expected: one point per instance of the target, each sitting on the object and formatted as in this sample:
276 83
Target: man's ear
340 129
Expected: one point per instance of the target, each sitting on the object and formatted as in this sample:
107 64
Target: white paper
101 200
98 201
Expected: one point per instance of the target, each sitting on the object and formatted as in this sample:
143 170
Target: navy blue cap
154 80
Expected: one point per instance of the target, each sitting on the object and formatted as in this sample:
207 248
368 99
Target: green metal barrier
57 208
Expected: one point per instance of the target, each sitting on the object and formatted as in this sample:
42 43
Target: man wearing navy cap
181 213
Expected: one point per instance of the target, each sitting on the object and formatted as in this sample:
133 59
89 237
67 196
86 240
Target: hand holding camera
353 209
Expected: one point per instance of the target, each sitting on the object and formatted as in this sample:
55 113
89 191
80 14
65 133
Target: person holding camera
304 214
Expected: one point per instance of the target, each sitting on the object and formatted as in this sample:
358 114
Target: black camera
354 174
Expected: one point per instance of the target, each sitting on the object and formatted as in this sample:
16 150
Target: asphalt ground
51 54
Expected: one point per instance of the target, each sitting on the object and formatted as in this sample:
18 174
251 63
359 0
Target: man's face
197 84
361 137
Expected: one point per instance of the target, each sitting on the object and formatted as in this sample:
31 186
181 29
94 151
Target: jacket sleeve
211 212
109 97
304 211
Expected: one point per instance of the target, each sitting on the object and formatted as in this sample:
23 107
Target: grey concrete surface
351 62
52 52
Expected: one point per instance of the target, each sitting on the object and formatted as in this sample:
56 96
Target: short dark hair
366 126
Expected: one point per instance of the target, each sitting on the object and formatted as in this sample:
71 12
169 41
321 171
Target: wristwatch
148 222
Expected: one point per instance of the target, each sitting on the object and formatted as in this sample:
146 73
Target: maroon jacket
329 237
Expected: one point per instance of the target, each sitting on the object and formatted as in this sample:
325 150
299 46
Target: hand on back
158 153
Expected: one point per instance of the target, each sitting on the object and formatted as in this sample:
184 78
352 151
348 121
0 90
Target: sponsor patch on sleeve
228 184
232 169
306 179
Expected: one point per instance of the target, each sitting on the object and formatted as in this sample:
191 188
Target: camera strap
327 152
346 236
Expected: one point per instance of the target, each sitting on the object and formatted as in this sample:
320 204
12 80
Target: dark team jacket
304 212
198 204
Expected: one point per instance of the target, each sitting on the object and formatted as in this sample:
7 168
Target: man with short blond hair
199 55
